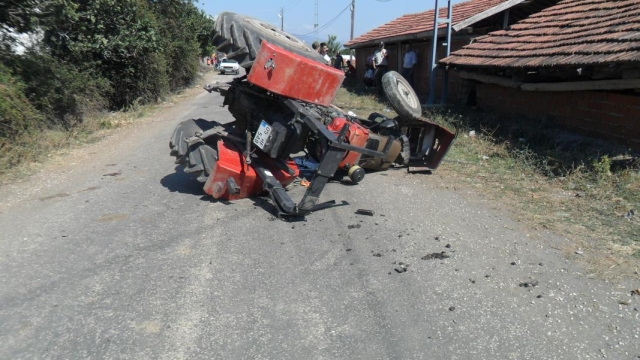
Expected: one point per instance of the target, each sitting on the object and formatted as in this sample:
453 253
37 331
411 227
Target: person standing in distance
380 65
324 51
408 64
338 63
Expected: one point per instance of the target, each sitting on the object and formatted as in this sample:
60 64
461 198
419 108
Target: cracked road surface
114 253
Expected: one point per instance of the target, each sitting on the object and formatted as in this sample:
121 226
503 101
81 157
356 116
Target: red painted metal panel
356 135
231 164
294 76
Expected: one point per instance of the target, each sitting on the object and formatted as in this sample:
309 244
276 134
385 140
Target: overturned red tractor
282 107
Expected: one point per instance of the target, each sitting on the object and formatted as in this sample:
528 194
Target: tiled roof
573 32
422 22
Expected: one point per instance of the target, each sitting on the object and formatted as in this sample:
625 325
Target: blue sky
334 16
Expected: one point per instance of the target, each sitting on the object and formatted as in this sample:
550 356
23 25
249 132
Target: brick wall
608 115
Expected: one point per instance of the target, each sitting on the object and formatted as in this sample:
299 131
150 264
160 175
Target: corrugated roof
423 21
571 33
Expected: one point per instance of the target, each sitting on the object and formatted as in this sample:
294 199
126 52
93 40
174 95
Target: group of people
338 61
323 50
377 65
214 60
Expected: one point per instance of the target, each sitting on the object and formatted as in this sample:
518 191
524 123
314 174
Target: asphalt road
114 253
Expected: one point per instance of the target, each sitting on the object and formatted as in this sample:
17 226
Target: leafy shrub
601 167
117 39
93 55
60 91
17 115
181 30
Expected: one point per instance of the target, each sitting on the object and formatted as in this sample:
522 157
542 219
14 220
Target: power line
296 2
291 3
325 26
329 23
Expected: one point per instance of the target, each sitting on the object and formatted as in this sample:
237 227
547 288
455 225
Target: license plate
262 135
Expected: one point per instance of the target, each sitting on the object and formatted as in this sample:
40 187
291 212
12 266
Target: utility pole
437 20
315 23
282 19
353 15
353 12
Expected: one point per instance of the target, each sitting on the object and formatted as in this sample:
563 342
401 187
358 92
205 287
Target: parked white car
229 66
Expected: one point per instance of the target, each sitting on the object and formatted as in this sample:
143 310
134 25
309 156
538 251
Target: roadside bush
17 114
118 40
61 92
87 57
182 29
18 120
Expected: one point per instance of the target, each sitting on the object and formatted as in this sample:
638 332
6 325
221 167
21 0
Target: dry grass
24 154
580 188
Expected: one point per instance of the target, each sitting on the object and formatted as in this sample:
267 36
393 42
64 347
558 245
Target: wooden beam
485 14
618 84
490 79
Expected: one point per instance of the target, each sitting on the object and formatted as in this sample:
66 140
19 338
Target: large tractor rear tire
198 157
239 37
401 96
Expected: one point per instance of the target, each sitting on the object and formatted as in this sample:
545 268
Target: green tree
22 15
94 54
333 45
185 31
118 38
18 17
17 115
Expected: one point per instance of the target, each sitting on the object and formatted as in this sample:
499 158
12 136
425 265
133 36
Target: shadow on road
184 183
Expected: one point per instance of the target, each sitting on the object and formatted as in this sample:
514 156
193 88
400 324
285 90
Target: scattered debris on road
365 212
436 256
528 284
354 226
402 268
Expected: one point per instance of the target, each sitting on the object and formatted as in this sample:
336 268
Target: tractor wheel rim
406 94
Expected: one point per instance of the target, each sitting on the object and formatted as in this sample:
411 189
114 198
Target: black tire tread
239 38
390 82
197 158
